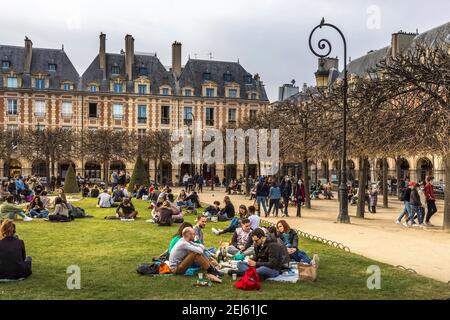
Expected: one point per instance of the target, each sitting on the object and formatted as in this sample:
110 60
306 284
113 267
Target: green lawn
108 253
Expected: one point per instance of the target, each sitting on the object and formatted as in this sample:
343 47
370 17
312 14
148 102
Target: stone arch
424 168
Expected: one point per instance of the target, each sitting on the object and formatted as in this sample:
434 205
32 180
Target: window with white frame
11 82
232 115
210 92
66 109
165 91
187 92
12 107
232 93
187 116
142 114
210 117
118 111
39 108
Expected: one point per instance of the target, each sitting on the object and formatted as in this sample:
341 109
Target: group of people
278 196
269 250
419 203
193 182
28 199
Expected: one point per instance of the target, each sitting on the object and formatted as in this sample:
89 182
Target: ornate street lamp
322 75
325 44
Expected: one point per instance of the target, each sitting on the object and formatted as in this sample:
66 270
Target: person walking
300 196
274 199
286 192
431 201
261 195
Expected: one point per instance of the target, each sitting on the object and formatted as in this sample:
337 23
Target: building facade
40 88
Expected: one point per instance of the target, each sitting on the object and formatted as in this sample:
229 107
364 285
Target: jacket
229 210
415 198
165 216
271 254
286 189
275 193
291 239
262 189
240 238
12 259
429 192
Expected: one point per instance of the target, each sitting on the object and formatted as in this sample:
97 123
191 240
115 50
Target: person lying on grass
235 221
186 254
14 264
241 241
165 214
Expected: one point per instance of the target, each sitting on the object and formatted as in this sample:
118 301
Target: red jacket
429 192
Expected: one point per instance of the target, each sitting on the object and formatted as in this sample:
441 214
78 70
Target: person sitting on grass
104 199
290 240
126 210
234 224
194 199
85 190
45 200
118 194
212 211
186 253
14 264
61 212
164 215
241 242
228 212
255 220
270 256
178 235
8 210
37 209
95 192
181 200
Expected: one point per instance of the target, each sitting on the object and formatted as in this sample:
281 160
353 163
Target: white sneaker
315 261
397 222
27 219
405 225
415 225
215 231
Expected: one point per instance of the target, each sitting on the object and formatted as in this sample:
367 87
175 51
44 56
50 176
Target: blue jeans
12 215
261 200
37 214
407 210
300 256
263 272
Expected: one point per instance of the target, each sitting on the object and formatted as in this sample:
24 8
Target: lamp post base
343 204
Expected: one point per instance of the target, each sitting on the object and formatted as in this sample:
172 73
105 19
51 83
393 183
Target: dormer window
206 76
12 82
187 92
118 87
165 91
67 87
232 93
142 71
6 64
253 96
93 88
40 84
52 67
248 79
115 70
227 77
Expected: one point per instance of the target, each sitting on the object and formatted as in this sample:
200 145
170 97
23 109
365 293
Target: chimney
401 41
329 63
176 58
102 54
28 55
129 56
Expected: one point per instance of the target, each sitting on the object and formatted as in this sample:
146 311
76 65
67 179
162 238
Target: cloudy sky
269 37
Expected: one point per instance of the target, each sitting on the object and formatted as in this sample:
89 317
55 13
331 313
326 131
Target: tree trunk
6 167
363 172
106 173
160 170
399 176
447 193
156 171
339 178
306 180
47 172
385 184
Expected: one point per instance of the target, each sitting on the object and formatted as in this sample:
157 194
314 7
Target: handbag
250 281
307 272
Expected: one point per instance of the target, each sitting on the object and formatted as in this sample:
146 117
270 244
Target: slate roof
156 72
41 58
192 75
361 65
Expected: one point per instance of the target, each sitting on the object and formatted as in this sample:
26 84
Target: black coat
272 254
12 259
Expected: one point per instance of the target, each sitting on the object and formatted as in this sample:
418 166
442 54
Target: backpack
250 281
77 213
146 269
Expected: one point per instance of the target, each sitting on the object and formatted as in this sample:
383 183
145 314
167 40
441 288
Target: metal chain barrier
406 269
312 237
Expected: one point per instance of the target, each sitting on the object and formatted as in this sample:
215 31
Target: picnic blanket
290 276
